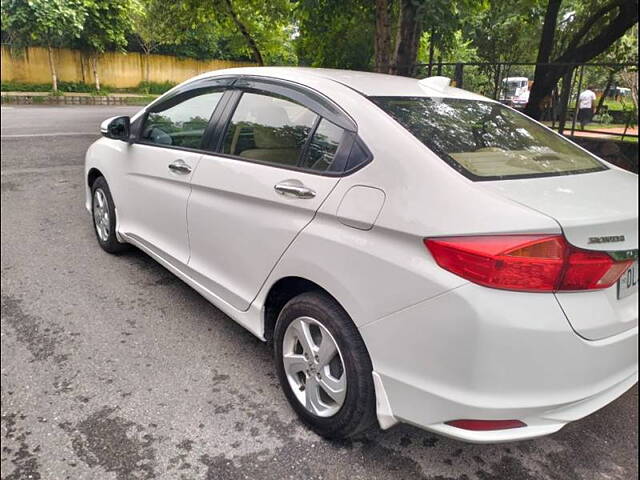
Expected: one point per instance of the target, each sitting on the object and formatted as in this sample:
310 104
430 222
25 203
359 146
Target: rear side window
268 128
486 140
182 124
323 146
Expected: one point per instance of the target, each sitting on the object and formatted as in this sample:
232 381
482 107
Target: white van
515 91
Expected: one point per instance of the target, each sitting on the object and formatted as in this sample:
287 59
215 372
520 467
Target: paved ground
114 369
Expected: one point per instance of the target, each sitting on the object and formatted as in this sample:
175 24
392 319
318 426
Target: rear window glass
323 146
269 129
486 140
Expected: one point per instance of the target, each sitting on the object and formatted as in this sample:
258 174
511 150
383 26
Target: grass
616 106
144 88
602 126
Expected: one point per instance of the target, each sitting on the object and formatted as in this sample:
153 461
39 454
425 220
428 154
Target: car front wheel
324 367
104 217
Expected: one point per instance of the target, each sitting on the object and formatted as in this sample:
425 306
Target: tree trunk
382 39
147 55
52 67
547 76
564 99
497 74
82 60
94 61
605 92
409 32
253 46
540 87
432 49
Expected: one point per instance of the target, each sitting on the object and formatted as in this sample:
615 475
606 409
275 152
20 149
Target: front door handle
180 166
294 188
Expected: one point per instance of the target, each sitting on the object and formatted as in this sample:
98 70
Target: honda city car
415 252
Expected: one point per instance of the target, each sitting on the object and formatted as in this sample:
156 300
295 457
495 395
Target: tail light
538 263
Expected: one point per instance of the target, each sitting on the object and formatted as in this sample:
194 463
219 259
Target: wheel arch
283 290
92 175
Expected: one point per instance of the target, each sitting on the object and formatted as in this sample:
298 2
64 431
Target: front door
159 168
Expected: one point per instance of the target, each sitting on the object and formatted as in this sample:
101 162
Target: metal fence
561 110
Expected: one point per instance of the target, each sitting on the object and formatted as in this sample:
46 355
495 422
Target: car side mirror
117 128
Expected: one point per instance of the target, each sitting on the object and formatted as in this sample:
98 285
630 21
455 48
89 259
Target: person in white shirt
586 103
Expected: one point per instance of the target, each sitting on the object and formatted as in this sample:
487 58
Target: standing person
586 103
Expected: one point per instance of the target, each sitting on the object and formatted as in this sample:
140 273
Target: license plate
628 283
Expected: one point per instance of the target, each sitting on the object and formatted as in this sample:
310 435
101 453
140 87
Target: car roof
367 83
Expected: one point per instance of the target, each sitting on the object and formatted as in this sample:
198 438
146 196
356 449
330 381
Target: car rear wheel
104 217
324 367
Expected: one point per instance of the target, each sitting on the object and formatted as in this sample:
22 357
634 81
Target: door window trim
233 87
178 96
298 94
301 94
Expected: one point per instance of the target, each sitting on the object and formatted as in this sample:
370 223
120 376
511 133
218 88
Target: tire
353 412
105 230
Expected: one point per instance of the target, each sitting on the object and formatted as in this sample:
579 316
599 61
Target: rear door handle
294 188
180 166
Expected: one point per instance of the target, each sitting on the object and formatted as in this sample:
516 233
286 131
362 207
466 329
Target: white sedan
415 252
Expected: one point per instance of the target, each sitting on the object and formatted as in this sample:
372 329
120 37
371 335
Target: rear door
277 161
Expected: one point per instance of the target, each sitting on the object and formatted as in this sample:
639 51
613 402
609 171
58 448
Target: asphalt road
114 369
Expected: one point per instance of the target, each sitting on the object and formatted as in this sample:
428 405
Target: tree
440 19
263 26
383 36
260 29
242 28
153 26
501 32
106 25
335 33
442 24
44 22
601 28
410 28
624 51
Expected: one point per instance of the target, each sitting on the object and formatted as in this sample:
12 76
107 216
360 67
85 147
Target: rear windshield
486 140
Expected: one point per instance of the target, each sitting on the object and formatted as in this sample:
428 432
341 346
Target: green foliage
267 22
146 88
152 24
106 25
335 33
154 88
46 87
327 33
203 42
505 31
603 118
42 22
443 24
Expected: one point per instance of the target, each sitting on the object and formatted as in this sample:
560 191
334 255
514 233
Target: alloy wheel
101 214
314 366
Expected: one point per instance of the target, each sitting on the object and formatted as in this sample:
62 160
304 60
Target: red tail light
526 262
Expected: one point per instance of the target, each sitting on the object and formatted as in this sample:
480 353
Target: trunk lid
596 211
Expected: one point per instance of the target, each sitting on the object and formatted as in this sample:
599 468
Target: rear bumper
478 353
